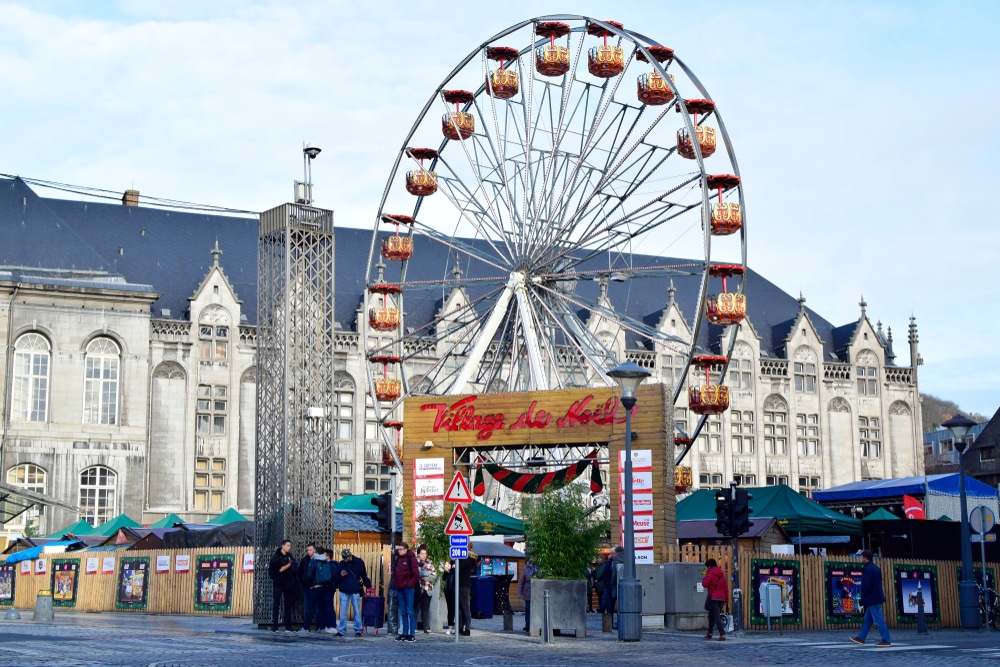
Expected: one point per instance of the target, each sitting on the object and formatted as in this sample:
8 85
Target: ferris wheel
537 207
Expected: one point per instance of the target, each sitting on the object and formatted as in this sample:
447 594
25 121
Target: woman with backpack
717 593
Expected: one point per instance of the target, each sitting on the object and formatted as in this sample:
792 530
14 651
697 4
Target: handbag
708 602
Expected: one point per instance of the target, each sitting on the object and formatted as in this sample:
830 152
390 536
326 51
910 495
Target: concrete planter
567 606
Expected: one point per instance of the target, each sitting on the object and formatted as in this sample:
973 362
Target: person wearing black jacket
281 570
310 589
872 599
448 591
466 568
352 579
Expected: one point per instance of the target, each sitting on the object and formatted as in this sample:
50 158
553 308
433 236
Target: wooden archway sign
439 427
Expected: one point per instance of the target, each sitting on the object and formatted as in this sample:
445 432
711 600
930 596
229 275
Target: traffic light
382 516
741 512
724 512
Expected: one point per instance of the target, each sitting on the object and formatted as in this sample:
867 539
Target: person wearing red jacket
405 579
715 585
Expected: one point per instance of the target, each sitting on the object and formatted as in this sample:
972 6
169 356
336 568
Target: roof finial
672 291
864 306
802 302
216 253
603 282
890 337
380 267
878 326
913 331
456 270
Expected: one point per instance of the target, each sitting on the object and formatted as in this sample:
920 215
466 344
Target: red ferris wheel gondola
605 61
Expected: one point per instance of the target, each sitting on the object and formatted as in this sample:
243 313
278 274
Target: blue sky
867 163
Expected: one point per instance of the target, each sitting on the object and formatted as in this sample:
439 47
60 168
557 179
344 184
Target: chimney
130 198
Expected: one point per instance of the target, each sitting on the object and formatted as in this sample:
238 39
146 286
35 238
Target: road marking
898 647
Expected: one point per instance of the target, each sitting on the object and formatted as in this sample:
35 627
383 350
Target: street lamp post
629 376
968 596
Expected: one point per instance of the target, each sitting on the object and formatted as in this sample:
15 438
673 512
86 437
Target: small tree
431 533
561 540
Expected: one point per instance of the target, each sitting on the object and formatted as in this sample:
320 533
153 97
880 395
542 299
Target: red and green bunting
538 482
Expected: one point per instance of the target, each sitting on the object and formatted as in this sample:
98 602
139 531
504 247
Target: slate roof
360 521
170 251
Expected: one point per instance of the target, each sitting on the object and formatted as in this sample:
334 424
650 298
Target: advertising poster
133 583
162 564
182 563
41 566
785 574
108 565
8 582
907 580
65 581
214 582
843 592
991 578
91 566
26 567
248 562
428 489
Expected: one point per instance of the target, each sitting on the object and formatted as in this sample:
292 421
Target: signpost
982 521
458 529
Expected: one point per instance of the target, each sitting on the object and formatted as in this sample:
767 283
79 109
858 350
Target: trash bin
482 597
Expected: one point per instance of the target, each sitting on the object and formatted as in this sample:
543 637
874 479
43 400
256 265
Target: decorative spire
890 337
672 291
802 303
380 267
456 270
603 282
890 354
913 339
216 253
864 306
879 329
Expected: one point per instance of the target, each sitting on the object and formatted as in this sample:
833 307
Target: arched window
98 487
343 406
213 334
775 426
30 395
29 477
100 395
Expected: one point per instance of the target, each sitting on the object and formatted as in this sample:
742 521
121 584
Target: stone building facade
129 350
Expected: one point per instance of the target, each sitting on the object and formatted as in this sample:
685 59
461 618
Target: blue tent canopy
945 485
35 552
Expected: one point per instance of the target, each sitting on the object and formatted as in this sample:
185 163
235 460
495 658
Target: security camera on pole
458 528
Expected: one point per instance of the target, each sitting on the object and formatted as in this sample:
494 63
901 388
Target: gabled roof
168 521
229 516
111 527
990 435
795 513
704 529
881 514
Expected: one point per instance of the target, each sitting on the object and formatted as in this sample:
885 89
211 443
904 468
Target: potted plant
562 541
430 533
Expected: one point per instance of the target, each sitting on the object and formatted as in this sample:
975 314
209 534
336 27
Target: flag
912 508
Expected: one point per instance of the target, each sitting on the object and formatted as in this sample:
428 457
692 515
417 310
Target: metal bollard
921 615
43 607
12 615
508 621
608 623
546 627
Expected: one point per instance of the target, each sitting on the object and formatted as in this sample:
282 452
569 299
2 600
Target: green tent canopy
795 513
81 527
359 503
168 521
109 528
487 521
881 514
229 516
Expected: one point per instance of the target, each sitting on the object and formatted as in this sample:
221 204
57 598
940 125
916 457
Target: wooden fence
168 592
814 596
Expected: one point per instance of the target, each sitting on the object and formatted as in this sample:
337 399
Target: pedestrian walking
872 599
428 575
591 578
281 570
405 579
310 592
524 591
448 591
609 582
466 568
352 579
599 586
717 593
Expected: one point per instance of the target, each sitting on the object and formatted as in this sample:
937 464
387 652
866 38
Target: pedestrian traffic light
382 516
741 512
724 512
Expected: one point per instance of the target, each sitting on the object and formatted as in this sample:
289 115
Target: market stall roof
14 501
358 503
235 534
81 527
35 552
881 514
704 529
109 528
945 484
168 521
495 550
795 513
229 516
488 521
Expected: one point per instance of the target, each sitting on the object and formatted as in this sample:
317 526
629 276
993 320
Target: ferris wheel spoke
565 321
460 246
485 336
619 235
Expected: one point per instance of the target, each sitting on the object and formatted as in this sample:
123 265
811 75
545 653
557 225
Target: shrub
431 533
561 540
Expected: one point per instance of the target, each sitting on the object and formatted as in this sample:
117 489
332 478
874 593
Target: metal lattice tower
294 490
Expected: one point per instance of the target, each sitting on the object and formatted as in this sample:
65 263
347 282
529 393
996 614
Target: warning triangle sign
459 523
458 490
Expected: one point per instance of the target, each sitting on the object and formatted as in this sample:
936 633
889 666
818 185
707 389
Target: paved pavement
180 641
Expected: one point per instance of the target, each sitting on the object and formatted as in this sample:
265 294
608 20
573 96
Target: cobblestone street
165 641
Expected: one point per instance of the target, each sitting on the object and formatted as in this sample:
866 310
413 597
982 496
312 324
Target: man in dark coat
281 570
872 599
353 579
466 570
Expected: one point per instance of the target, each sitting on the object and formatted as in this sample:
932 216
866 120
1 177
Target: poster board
65 581
977 575
8 584
213 582
842 586
133 583
786 574
906 580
